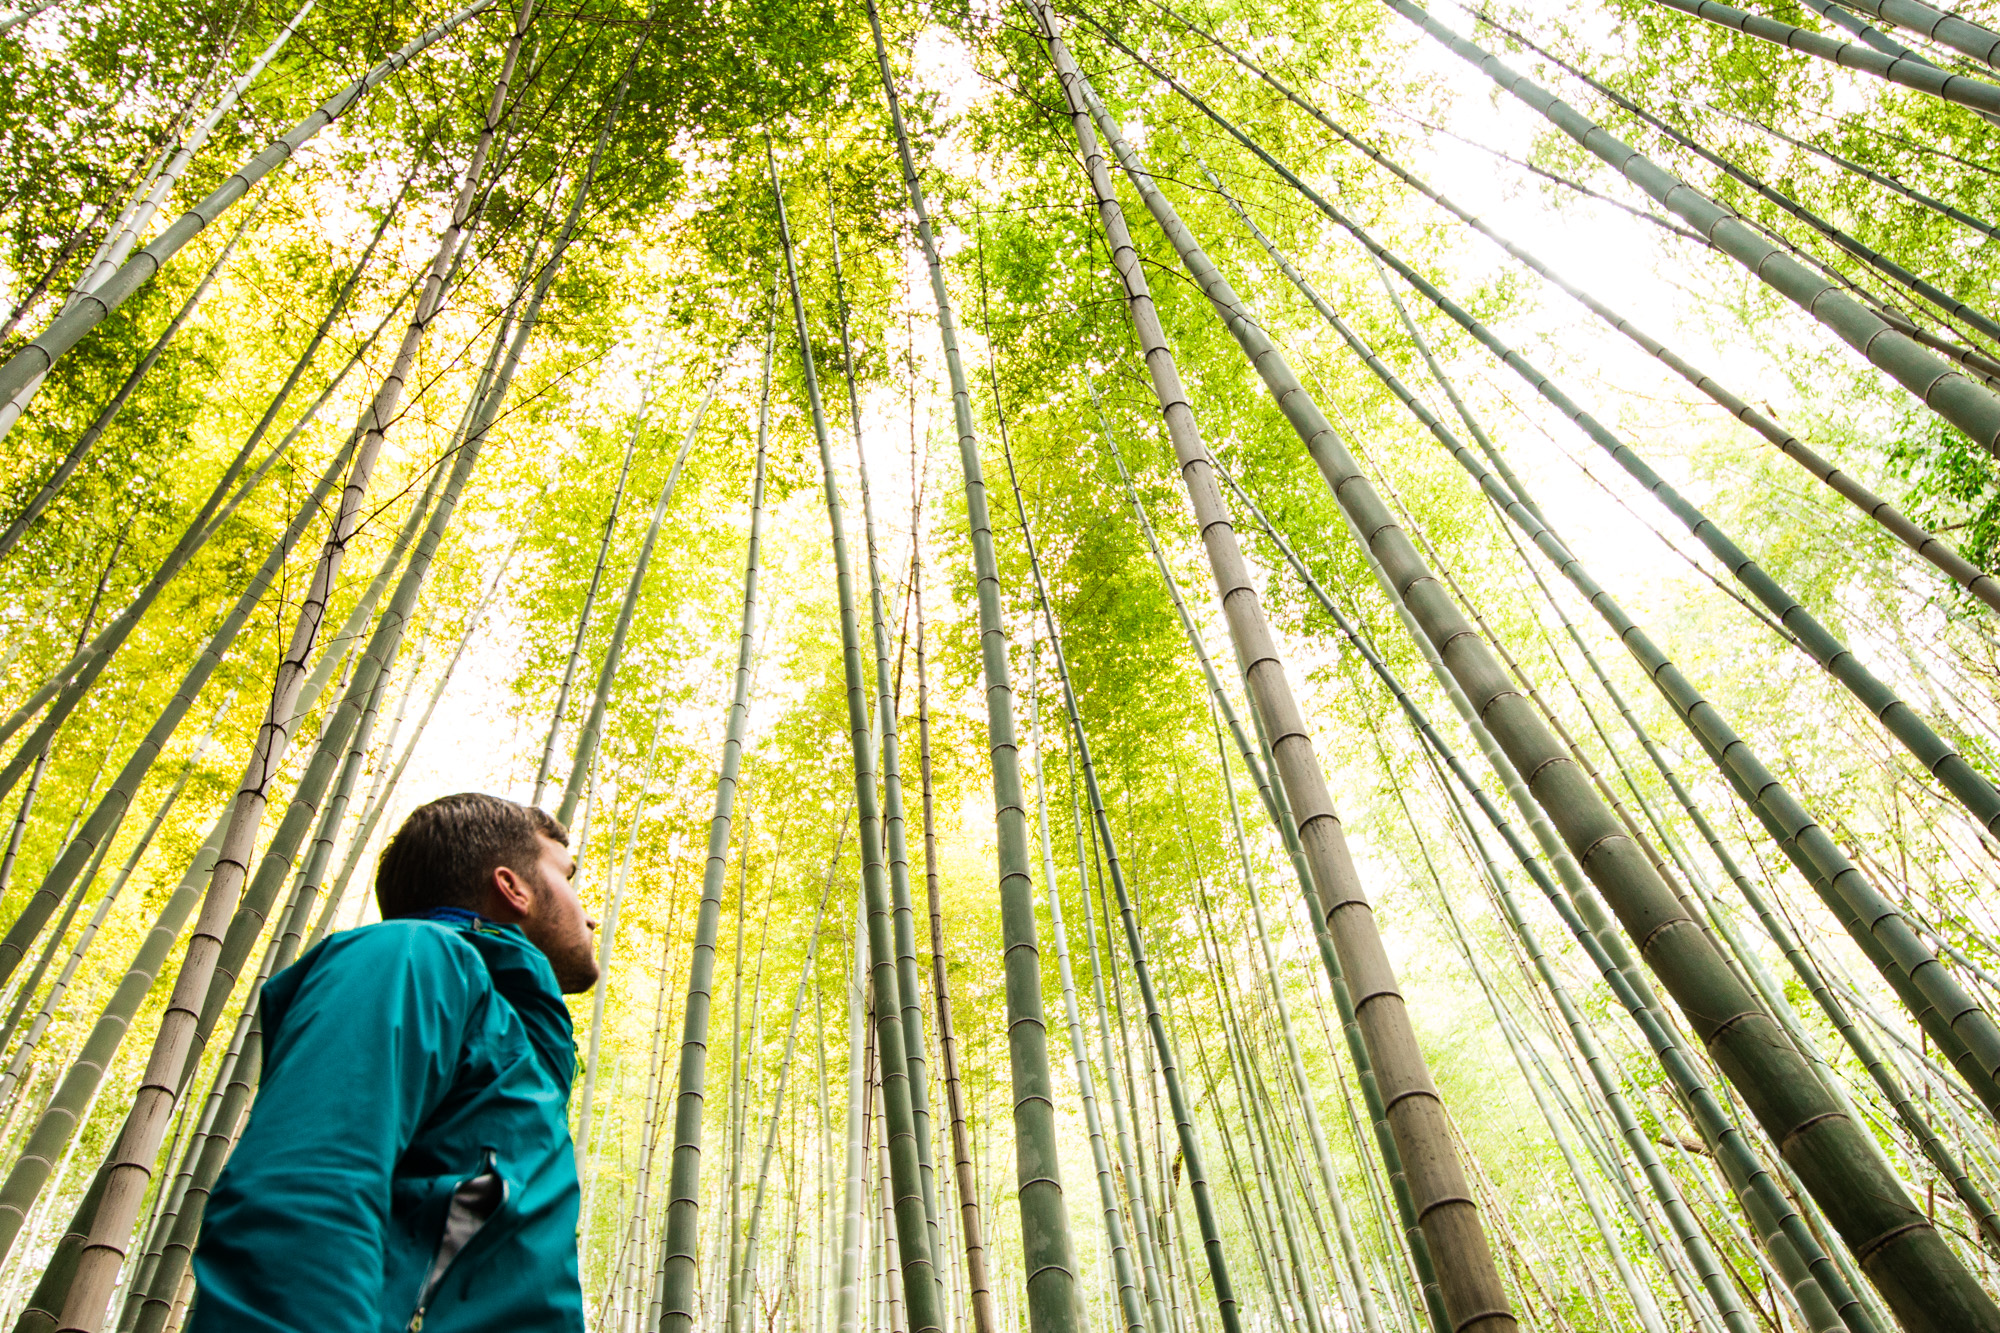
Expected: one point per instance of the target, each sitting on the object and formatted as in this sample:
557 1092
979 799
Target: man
407 1164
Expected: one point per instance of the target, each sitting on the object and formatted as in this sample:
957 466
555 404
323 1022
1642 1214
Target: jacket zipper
487 1189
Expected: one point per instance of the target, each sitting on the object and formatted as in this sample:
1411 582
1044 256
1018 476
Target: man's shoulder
406 941
386 954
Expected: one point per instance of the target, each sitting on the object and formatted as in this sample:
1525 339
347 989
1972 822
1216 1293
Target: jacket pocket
473 1203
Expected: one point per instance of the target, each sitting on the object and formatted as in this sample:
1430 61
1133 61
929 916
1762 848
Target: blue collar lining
463 917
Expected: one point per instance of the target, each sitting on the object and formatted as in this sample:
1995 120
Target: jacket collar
521 973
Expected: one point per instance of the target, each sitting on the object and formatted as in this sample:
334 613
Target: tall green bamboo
148 1119
1916 1271
66 467
1473 1295
67 685
51 1004
389 775
138 1142
150 1294
746 1281
1636 1291
1871 919
921 1289
1926 544
1958 399
971 1224
580 769
1370 1316
60 1119
1700 1254
1047 1255
1302 1287
848 1299
895 826
1874 922
1137 1187
1976 94
33 361
607 932
142 209
1258 760
1957 1022
593 723
679 1264
1129 1300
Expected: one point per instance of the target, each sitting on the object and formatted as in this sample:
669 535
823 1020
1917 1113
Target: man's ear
511 892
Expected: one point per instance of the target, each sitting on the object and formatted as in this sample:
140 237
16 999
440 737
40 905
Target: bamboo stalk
1048 1258
33 361
1958 399
894 824
678 1261
971 1226
1926 544
1114 1228
920 1288
1471 1289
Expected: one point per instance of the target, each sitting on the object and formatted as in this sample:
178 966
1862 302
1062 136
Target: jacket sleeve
365 1047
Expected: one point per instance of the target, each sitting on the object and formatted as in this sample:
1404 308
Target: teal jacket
407 1164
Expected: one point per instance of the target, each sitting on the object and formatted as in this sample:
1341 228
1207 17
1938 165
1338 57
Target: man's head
506 861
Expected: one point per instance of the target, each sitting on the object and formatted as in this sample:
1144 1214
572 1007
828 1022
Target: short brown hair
446 851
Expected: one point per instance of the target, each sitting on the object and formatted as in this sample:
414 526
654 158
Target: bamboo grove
1312 669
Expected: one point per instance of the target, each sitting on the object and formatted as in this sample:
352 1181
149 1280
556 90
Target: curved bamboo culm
1922 1279
921 1289
1936 997
138 1143
1933 1146
679 1262
1474 1298
33 361
592 730
1130 1303
574 662
62 1117
1925 543
970 1221
1975 94
1046 1252
895 834
1964 403
1258 760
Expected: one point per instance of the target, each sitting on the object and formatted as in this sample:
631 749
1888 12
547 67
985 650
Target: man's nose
590 921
